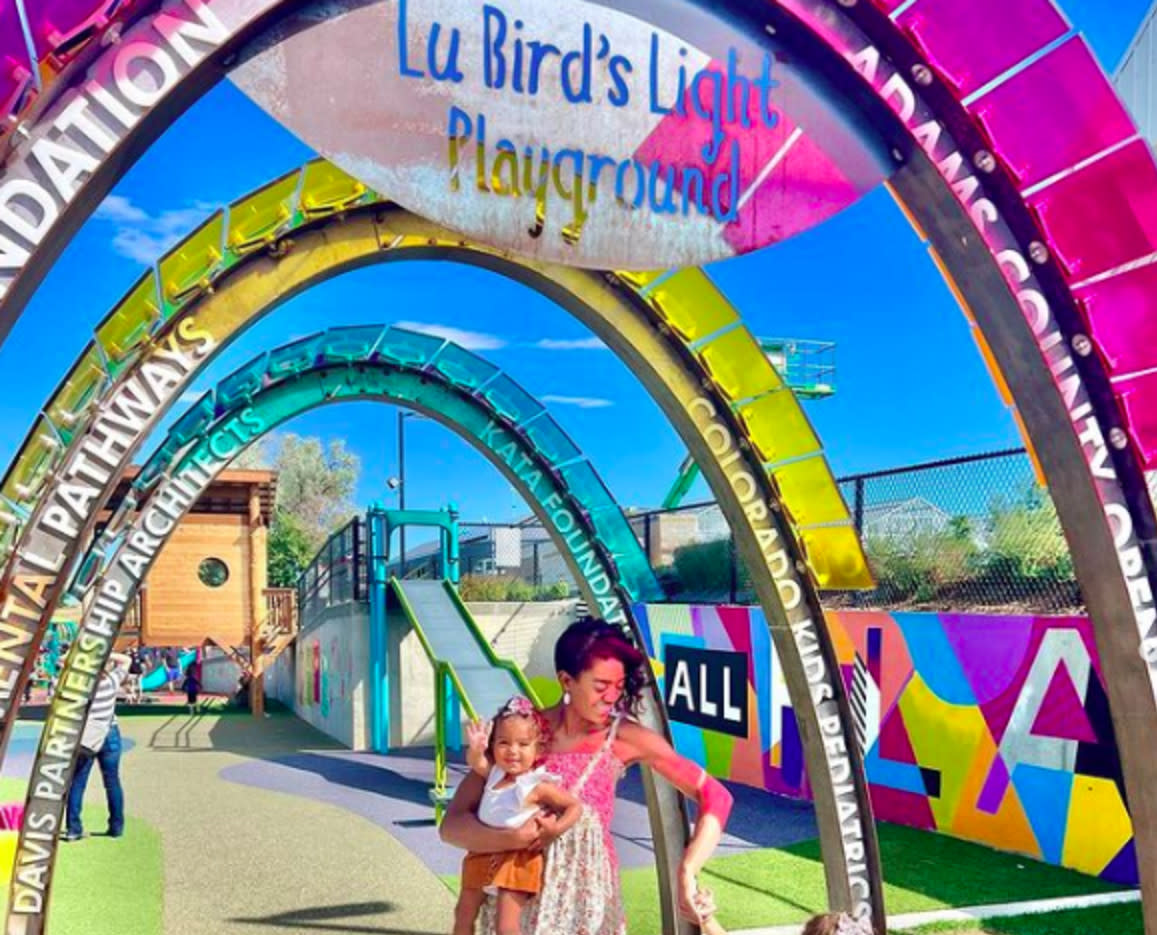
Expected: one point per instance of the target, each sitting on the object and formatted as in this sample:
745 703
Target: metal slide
453 641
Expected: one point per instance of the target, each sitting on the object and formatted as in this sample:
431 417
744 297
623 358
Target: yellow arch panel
778 427
810 492
739 366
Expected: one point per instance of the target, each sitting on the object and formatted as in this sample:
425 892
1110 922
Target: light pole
402 414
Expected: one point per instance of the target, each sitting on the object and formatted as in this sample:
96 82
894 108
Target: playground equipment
152 681
1007 146
467 673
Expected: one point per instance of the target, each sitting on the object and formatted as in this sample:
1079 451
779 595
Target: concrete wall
330 675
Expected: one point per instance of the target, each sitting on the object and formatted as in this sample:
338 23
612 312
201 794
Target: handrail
499 662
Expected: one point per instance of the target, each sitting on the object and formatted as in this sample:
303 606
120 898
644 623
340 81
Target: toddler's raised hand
477 739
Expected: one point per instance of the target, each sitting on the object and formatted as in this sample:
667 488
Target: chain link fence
975 533
966 534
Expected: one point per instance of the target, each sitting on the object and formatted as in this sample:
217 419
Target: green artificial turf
1104 920
104 886
922 871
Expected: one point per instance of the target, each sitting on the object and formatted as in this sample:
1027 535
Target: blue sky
911 386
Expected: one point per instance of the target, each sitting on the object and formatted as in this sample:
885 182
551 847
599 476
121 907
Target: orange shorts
508 870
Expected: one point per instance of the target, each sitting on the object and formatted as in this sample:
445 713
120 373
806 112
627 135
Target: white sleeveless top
506 807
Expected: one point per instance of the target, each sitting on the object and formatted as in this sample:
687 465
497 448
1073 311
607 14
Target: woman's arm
461 827
692 780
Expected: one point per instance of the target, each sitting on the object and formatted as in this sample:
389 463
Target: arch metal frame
341 365
642 317
1024 262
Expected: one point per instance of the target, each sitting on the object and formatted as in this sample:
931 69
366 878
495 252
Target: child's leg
466 912
508 914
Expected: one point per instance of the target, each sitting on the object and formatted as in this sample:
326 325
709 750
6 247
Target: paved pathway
288 875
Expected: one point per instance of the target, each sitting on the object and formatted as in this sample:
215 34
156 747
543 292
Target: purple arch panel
970 42
52 24
1037 142
15 70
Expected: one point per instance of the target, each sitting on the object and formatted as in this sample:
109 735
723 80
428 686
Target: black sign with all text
706 688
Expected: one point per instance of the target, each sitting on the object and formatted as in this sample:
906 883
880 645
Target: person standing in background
101 741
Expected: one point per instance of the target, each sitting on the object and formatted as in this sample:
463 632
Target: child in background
191 687
837 923
508 754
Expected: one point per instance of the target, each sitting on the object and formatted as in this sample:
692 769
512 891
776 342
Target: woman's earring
566 698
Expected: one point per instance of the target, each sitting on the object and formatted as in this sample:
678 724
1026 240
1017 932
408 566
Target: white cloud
145 237
471 340
583 402
571 344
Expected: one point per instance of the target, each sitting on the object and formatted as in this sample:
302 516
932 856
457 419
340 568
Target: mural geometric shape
1098 825
1123 867
1044 795
995 787
1062 712
991 650
895 745
931 781
934 657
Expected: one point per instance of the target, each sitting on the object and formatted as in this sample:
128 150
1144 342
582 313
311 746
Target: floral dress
580 889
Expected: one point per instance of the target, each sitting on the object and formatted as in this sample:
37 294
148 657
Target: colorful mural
992 729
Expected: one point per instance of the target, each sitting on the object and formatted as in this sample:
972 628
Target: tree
289 550
315 487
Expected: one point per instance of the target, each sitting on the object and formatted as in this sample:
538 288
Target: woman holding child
586 742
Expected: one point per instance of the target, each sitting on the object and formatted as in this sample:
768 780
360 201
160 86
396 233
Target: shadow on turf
329 919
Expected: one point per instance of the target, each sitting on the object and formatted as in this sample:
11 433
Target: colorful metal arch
1024 238
669 329
462 391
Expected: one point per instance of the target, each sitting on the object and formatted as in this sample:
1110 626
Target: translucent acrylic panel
41 450
462 368
777 426
836 558
1121 313
510 400
1104 215
326 189
587 487
551 441
62 27
971 42
809 492
77 390
258 219
350 344
639 280
194 422
691 305
1138 396
16 86
242 384
739 365
410 348
294 358
1058 111
127 326
190 266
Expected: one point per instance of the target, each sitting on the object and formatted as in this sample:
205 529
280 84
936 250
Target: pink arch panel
1075 165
